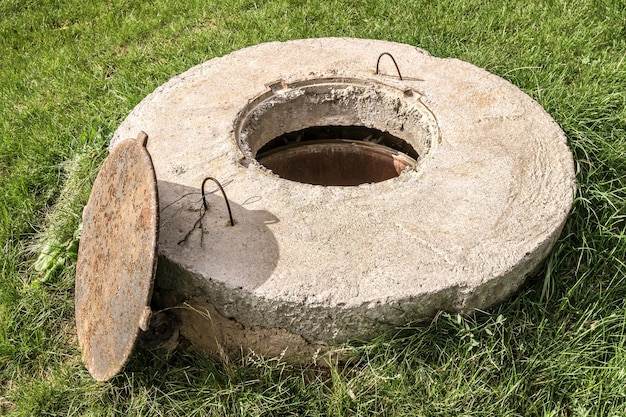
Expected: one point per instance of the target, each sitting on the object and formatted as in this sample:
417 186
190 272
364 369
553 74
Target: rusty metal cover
117 259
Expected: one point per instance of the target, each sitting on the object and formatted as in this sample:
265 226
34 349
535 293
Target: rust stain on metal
117 259
338 162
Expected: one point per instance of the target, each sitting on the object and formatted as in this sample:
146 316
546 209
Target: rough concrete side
270 326
224 338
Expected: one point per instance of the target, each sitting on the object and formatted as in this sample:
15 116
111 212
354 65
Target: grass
70 71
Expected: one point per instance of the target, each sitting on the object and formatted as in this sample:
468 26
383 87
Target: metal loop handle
394 63
206 205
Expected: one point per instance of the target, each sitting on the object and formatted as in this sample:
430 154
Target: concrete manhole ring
479 181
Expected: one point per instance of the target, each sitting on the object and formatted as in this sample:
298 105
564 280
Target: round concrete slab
460 230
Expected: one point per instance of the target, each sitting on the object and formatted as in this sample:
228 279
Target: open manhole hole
336 132
337 155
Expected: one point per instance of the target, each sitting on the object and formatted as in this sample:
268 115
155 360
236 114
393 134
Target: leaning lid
117 258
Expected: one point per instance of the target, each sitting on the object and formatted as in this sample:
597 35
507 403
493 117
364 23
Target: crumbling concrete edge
324 326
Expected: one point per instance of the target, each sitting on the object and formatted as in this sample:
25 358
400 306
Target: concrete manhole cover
361 201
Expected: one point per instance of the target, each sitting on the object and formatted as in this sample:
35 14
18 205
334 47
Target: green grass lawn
70 71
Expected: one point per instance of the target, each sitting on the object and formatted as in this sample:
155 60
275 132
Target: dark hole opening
337 155
356 133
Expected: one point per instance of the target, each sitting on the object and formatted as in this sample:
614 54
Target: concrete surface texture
460 229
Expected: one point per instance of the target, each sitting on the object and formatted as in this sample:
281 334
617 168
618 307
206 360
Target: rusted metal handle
142 138
394 63
206 205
